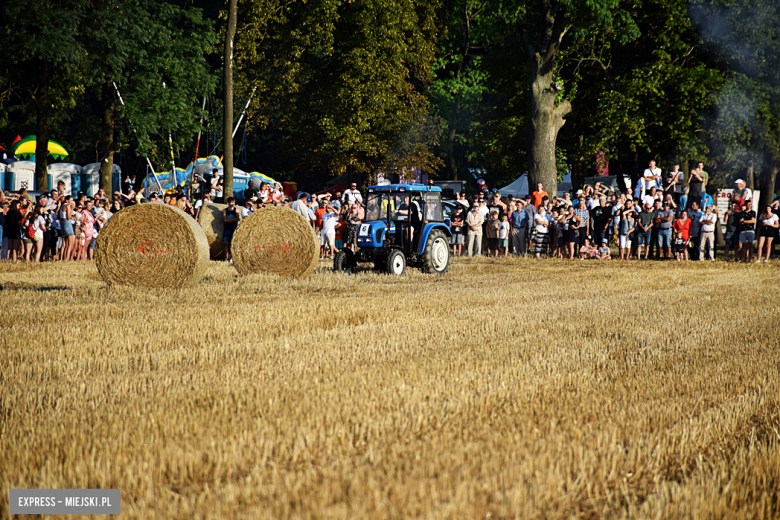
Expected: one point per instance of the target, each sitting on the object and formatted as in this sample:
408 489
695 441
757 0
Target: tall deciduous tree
460 75
345 81
41 49
162 43
646 95
543 26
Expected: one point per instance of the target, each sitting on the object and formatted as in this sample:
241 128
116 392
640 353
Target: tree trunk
546 118
750 181
451 154
767 179
42 107
227 162
545 122
106 144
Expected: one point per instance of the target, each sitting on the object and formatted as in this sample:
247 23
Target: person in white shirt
650 178
200 203
743 190
593 201
503 236
216 186
330 220
352 195
707 234
483 210
300 206
248 209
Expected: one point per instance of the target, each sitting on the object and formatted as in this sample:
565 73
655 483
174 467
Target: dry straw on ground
275 240
504 389
152 245
210 219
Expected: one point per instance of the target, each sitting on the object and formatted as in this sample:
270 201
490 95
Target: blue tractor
404 225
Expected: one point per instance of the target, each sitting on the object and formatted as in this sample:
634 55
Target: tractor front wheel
344 261
396 262
436 257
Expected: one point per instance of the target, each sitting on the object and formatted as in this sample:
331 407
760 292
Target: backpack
30 230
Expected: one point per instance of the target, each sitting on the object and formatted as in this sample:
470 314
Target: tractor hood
371 234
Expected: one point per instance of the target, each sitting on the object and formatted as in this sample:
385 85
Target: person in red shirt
682 231
538 195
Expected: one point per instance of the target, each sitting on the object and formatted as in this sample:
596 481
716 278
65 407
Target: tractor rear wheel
344 261
396 262
436 257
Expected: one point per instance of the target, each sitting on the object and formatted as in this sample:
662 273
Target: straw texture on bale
152 245
275 240
210 219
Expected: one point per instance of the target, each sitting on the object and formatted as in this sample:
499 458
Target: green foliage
168 46
343 80
647 94
460 75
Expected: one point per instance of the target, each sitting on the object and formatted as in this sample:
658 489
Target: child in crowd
456 226
587 251
491 233
603 251
503 236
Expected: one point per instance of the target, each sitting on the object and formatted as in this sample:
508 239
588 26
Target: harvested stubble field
505 389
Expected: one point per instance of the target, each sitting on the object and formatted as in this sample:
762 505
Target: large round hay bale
152 245
275 240
210 219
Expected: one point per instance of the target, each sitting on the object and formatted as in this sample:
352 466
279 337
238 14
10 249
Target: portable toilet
21 174
62 172
90 182
3 166
240 183
75 183
93 169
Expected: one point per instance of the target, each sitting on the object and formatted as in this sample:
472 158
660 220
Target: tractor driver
414 216
403 209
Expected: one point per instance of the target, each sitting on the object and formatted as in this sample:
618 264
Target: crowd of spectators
662 219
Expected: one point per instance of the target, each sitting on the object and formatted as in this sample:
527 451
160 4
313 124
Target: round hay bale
210 219
275 240
152 245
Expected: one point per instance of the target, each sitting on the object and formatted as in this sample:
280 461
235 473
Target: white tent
519 188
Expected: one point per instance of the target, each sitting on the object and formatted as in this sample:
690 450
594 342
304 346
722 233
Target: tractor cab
403 225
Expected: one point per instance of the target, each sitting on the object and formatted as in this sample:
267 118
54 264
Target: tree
344 81
162 75
646 95
743 37
542 26
138 45
43 55
460 75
